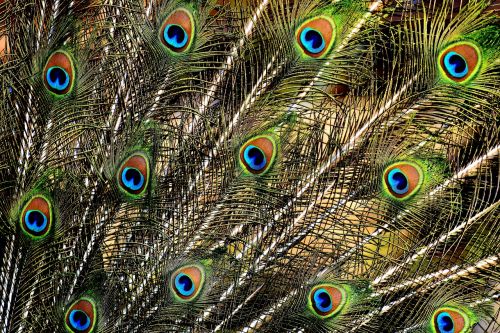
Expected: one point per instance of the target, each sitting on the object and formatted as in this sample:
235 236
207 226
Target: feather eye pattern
249 166
402 179
460 61
257 155
36 217
447 319
178 30
316 36
327 300
187 281
133 174
81 316
59 73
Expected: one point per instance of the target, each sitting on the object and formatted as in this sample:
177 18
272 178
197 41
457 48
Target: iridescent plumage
249 166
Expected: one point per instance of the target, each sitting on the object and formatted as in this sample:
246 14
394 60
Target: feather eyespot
59 73
187 282
450 320
36 217
177 31
326 300
258 154
133 175
402 179
315 36
81 316
459 62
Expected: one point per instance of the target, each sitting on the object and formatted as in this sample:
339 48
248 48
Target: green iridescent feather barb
250 166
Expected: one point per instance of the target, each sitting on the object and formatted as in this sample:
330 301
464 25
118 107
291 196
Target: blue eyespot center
184 284
35 221
398 182
456 65
312 40
322 300
175 36
255 158
445 323
79 320
57 78
132 178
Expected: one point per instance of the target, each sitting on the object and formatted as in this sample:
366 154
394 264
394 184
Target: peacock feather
250 166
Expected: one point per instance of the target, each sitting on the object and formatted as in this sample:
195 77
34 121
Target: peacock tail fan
249 166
